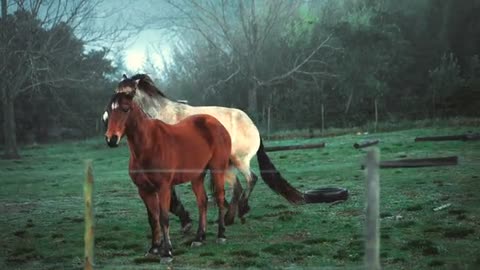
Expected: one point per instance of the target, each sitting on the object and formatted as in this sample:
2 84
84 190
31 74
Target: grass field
41 206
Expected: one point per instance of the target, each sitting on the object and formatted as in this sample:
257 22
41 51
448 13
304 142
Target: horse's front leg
201 196
150 200
164 197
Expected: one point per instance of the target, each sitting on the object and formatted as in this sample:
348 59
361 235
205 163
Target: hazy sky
123 12
147 42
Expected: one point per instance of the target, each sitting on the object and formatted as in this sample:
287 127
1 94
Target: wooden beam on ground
461 137
419 162
89 217
472 137
372 245
293 147
365 144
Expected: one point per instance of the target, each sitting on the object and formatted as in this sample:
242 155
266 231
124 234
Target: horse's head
119 106
115 117
128 85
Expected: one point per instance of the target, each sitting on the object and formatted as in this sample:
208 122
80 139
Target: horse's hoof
243 220
187 227
166 259
229 219
154 252
221 241
196 244
243 209
149 255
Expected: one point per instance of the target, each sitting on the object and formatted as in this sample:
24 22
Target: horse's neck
137 130
161 108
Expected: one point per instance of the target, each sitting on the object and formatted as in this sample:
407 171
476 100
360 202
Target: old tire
326 195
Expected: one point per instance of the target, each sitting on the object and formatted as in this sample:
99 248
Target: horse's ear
124 77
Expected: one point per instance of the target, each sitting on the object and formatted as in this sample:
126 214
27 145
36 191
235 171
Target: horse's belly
177 181
186 177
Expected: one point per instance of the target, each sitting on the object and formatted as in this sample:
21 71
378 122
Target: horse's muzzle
112 141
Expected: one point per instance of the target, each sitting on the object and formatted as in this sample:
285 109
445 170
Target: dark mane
147 85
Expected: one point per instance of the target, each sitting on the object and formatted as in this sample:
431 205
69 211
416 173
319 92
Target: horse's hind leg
176 207
218 178
251 178
201 196
237 191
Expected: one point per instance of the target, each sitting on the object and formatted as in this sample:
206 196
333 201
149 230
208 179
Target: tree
41 51
240 31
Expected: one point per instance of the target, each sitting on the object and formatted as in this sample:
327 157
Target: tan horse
246 141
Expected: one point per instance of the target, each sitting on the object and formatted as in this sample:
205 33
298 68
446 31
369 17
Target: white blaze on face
105 116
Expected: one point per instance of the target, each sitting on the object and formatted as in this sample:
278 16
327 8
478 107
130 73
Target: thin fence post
372 245
268 121
376 114
323 119
89 218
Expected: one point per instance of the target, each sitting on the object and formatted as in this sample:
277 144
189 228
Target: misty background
293 64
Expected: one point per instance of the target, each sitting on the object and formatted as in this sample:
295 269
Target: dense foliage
55 87
416 59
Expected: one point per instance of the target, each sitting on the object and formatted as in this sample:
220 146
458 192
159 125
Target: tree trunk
4 9
252 103
9 132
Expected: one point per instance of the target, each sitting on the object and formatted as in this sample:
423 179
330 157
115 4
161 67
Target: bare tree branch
224 80
280 78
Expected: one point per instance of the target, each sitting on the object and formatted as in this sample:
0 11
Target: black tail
272 177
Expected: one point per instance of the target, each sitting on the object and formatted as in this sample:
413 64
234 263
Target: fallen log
417 163
294 147
472 137
365 144
461 137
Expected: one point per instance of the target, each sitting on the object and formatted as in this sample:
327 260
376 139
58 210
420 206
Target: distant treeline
416 59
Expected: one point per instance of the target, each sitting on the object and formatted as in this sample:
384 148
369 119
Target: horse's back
203 128
213 130
244 134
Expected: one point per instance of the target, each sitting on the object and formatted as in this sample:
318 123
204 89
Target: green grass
41 206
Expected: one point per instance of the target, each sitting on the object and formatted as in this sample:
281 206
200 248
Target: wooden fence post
89 218
323 119
268 120
376 114
372 246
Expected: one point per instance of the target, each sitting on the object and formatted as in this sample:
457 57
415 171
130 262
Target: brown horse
163 155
